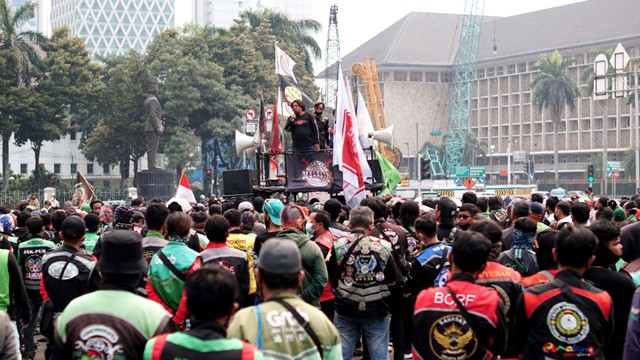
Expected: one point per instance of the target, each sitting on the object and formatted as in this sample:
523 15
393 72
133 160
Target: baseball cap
280 256
273 207
73 227
245 206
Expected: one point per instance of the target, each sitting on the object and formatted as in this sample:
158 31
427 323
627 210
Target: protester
284 326
318 228
505 280
30 255
9 344
603 275
67 273
206 338
519 209
271 217
446 211
467 215
113 322
303 128
218 252
13 295
462 318
361 274
566 317
155 218
334 208
293 218
547 267
238 240
169 266
92 222
520 256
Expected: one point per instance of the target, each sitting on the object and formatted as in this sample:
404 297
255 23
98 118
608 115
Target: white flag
284 64
365 126
347 152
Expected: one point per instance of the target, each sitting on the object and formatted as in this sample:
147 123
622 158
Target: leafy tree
298 33
69 86
115 132
195 94
18 48
553 89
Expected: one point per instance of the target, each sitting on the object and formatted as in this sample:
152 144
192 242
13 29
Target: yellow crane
369 75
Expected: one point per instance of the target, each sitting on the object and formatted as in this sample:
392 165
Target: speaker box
238 182
375 171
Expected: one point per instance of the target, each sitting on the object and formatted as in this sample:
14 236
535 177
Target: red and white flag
277 146
284 64
347 152
184 190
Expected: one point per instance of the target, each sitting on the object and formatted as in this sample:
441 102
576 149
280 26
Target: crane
332 56
463 82
369 75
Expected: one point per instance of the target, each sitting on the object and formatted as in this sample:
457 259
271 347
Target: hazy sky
360 20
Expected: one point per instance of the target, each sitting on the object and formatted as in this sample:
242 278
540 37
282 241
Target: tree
553 90
67 87
19 47
195 94
297 33
117 123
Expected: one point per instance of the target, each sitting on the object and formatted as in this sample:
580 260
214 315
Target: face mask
308 228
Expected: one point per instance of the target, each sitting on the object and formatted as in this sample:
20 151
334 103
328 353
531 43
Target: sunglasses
463 217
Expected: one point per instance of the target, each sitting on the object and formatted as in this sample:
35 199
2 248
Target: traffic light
590 173
525 167
208 177
532 167
425 168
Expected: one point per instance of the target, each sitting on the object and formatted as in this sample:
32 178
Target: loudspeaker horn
243 142
383 135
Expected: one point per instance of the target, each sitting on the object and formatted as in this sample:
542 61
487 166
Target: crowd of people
479 278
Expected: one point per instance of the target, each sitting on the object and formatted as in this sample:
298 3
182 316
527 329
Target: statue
153 126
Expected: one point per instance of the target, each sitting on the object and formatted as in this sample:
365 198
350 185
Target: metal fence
12 197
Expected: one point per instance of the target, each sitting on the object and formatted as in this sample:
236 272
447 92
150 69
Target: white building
113 27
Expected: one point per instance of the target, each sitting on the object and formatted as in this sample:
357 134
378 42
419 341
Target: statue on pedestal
153 125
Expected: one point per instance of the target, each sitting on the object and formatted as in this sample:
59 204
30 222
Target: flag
277 147
347 152
390 174
284 64
83 192
365 126
261 131
183 191
289 92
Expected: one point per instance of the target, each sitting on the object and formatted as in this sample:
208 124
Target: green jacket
163 281
315 270
90 241
270 328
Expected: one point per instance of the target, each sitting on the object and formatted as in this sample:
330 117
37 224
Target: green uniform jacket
315 270
279 336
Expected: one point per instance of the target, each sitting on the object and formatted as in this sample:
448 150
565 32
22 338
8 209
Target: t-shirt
304 131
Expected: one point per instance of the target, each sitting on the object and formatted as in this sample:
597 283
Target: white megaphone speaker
243 142
383 135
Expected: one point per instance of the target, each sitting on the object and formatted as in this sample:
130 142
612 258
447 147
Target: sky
360 20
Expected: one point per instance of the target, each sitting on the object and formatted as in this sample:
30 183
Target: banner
284 64
82 192
312 171
290 92
277 145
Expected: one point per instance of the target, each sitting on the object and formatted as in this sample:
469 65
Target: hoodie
315 270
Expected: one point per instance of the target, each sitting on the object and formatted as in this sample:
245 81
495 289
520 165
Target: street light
69 151
408 162
492 147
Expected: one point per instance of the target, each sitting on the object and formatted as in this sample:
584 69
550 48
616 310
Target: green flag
390 174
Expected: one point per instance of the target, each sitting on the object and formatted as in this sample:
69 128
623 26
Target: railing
12 197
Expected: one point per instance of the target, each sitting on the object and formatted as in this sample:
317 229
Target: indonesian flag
184 190
347 152
277 147
284 64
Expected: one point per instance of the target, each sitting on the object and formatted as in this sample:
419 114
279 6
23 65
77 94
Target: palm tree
19 44
553 90
297 33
